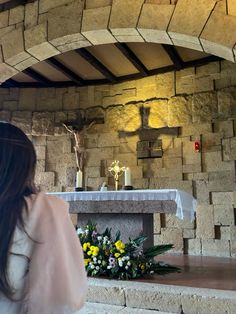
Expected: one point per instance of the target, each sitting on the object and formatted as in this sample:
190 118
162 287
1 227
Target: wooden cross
78 128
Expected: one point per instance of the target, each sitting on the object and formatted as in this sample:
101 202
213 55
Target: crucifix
78 128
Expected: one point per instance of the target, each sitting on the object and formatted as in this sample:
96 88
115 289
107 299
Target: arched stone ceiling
41 29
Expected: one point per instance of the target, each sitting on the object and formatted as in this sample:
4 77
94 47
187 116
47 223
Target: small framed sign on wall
149 149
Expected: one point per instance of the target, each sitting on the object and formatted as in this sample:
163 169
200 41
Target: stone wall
44 28
200 102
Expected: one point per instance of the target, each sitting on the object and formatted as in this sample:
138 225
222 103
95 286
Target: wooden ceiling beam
84 53
66 71
13 3
201 61
131 56
174 56
37 76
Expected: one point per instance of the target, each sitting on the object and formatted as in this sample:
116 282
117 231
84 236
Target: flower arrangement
104 256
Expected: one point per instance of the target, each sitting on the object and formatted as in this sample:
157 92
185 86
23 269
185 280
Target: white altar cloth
186 204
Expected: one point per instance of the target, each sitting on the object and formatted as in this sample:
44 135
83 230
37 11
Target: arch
44 28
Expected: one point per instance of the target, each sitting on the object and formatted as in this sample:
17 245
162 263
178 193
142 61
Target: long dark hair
17 168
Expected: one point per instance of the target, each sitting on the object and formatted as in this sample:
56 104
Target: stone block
185 84
231 7
47 180
226 102
223 215
211 142
205 222
189 234
92 4
203 84
222 181
40 152
188 21
108 140
204 107
6 71
113 120
95 24
225 233
70 176
211 69
64 25
158 113
171 221
165 85
153 22
27 99
157 223
36 42
202 192
219 248
212 161
39 140
170 236
4 16
194 247
13 47
46 5
222 198
124 18
152 299
40 166
217 38
5 115
179 111
31 14
109 295
190 156
10 105
93 172
23 120
43 123
142 184
94 155
233 248
195 129
131 118
71 101
16 15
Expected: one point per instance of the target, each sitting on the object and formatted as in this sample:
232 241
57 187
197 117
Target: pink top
49 271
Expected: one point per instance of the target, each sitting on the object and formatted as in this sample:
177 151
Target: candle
128 177
79 179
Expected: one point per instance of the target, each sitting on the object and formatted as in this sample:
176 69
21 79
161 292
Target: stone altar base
130 225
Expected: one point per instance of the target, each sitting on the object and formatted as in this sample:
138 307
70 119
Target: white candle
128 177
79 179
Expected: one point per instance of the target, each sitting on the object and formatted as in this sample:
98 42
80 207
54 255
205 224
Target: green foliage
104 256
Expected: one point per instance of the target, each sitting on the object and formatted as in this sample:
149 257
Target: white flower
99 262
97 267
127 258
109 267
80 231
126 267
99 238
92 266
120 263
108 242
151 272
95 259
128 263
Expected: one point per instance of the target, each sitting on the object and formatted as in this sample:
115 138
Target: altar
131 212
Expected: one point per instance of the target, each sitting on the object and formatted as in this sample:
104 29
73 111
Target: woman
41 261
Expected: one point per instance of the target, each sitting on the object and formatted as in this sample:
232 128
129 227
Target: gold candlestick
116 170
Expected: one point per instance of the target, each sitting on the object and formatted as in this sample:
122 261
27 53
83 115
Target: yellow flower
86 261
122 251
94 250
89 253
117 255
120 246
86 246
142 266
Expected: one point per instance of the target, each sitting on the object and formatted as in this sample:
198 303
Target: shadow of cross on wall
149 144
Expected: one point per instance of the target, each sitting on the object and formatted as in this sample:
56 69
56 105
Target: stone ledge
99 308
157 297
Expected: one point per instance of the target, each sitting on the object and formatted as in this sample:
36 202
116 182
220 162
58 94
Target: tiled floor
199 271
